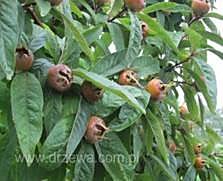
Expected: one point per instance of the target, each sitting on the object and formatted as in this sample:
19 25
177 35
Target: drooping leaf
120 165
27 105
8 36
84 167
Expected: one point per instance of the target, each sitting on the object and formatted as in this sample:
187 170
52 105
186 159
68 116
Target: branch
196 18
118 15
34 16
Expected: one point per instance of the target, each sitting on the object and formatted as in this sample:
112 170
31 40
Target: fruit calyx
90 92
200 7
96 130
135 5
24 59
60 77
157 89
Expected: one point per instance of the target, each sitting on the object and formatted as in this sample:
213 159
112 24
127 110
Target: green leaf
160 31
111 64
157 130
84 167
54 147
134 45
218 170
190 174
145 66
195 38
7 153
119 165
44 7
79 126
27 105
117 35
211 25
116 7
8 36
109 85
93 34
214 15
78 36
164 167
213 37
210 83
167 6
75 9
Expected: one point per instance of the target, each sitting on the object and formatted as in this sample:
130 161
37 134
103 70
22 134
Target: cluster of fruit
60 76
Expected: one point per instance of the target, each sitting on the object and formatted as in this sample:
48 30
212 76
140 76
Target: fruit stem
118 15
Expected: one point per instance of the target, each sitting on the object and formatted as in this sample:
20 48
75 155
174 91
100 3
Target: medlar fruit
200 7
135 5
198 149
128 77
157 89
145 29
172 147
96 129
90 92
24 59
60 77
55 2
199 162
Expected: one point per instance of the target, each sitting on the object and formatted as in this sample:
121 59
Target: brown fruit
200 7
96 129
60 77
157 89
198 149
90 92
145 30
183 109
172 147
55 2
199 162
102 2
128 77
135 5
24 59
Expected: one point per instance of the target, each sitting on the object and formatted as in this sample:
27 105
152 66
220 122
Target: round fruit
60 77
172 147
55 2
157 89
102 2
24 59
200 7
183 109
198 149
145 29
128 77
199 162
135 5
96 129
90 92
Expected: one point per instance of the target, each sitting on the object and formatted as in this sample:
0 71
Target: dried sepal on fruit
157 89
24 59
135 5
200 7
90 92
199 162
96 130
60 77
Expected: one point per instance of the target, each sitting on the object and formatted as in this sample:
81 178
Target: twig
34 16
194 19
118 15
